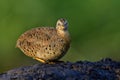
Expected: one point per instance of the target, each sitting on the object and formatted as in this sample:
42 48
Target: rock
106 69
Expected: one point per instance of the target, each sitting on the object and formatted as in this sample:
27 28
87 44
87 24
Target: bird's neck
64 34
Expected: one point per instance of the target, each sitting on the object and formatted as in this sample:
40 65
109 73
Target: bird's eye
58 24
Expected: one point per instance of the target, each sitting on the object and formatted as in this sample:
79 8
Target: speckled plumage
45 44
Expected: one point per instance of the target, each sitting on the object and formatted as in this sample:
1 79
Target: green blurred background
94 26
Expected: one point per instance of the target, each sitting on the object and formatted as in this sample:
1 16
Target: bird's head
62 24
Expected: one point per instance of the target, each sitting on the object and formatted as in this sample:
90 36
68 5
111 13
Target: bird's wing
40 36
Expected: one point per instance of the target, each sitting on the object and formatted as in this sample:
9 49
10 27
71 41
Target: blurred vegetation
94 26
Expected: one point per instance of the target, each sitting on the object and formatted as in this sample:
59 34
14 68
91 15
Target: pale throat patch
63 33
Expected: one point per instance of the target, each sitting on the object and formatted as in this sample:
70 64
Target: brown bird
46 44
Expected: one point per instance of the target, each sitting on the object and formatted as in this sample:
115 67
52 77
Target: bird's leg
41 60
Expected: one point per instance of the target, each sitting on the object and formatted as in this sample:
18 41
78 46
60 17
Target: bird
46 44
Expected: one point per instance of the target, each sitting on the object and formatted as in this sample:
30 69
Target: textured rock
106 69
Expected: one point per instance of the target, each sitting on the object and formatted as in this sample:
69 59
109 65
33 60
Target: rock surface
105 69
